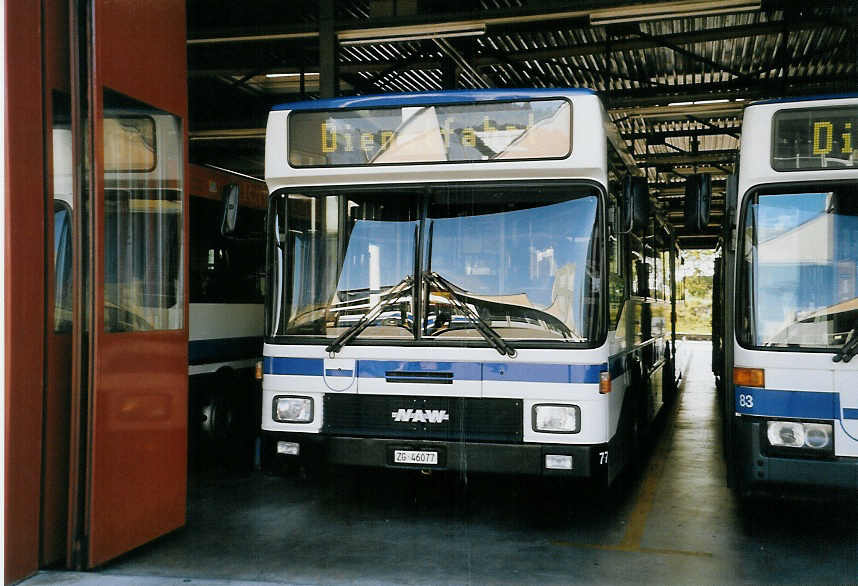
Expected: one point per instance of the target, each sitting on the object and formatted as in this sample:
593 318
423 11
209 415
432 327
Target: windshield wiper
494 339
849 347
372 313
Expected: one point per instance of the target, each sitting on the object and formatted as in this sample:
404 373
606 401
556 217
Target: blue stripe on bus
432 98
296 366
465 371
223 350
542 373
339 372
380 368
850 413
794 404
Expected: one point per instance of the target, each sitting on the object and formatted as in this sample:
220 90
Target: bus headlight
556 418
817 435
293 409
788 434
795 434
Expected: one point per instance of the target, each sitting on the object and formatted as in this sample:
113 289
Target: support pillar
328 75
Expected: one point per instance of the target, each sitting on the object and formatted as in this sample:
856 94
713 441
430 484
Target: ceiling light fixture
410 33
665 10
699 102
287 76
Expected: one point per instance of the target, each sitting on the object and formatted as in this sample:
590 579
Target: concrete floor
677 523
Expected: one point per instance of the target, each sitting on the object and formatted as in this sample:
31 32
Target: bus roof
433 98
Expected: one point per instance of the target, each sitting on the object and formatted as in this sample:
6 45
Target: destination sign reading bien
815 139
524 130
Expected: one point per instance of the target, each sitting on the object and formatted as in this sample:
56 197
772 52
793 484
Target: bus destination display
822 138
460 133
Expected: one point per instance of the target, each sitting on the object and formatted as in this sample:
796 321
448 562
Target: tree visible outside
694 315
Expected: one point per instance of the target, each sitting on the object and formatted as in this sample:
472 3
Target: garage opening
406 291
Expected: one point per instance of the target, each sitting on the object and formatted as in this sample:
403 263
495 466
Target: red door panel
139 441
138 436
136 466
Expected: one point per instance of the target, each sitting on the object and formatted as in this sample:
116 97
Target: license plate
415 457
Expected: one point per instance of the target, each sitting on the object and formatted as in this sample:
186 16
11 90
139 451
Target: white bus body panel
757 137
220 323
787 370
214 321
596 426
812 372
587 160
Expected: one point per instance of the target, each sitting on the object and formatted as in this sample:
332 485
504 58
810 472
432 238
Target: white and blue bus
225 319
790 298
462 280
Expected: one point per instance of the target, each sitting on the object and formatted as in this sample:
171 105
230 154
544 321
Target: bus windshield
523 260
797 276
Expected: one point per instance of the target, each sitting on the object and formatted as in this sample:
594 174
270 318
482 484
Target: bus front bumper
757 467
587 461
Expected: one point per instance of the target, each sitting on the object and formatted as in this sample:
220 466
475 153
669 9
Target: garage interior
674 76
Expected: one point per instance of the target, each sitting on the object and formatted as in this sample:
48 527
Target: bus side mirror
229 214
698 198
635 205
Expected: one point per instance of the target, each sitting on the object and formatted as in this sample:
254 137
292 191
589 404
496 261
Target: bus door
846 429
128 468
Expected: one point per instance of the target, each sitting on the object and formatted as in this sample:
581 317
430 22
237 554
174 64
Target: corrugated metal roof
674 74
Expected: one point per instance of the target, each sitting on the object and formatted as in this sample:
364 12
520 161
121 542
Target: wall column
329 85
23 287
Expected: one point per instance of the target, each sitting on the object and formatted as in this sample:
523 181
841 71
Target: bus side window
640 267
655 277
652 260
62 267
616 268
224 270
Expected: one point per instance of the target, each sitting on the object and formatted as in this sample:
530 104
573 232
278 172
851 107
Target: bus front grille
431 418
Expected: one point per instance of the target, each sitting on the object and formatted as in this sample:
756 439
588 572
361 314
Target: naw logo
421 415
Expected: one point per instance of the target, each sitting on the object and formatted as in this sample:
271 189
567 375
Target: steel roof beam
234 60
680 112
510 21
712 126
677 188
663 42
685 38
748 90
656 159
464 64
659 135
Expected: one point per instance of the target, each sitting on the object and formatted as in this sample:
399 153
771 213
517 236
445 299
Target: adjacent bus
463 280
225 321
789 299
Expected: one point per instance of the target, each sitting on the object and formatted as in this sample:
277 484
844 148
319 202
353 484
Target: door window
143 217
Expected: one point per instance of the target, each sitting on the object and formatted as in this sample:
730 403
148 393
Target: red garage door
129 407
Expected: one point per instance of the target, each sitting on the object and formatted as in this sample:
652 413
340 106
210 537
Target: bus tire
669 387
227 425
641 394
631 426
635 453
